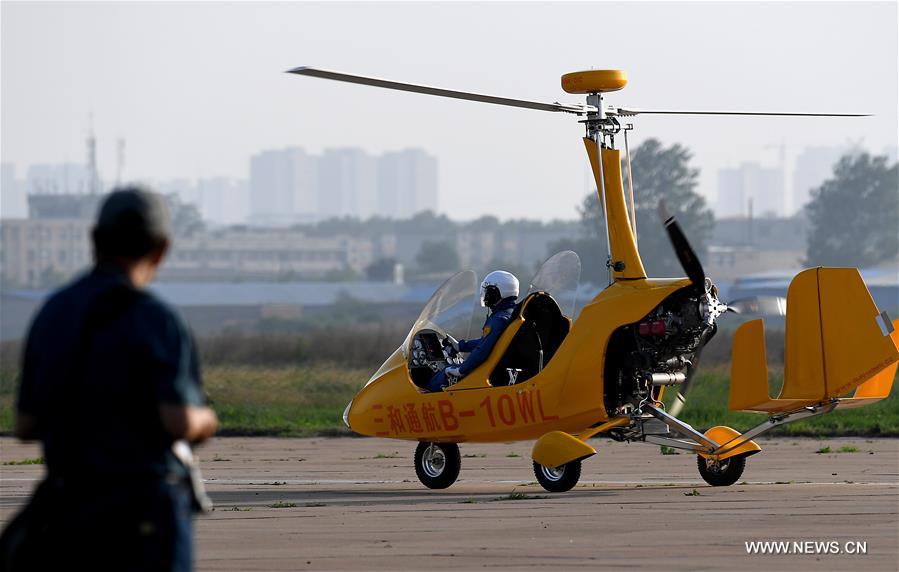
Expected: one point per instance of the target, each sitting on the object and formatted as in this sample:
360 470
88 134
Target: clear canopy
449 310
560 276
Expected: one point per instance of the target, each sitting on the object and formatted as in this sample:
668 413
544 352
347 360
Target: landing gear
437 464
721 473
559 479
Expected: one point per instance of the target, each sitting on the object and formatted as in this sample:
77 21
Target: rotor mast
623 260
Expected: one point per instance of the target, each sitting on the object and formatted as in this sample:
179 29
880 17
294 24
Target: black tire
560 479
437 464
721 473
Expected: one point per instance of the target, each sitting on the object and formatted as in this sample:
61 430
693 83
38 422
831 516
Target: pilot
499 290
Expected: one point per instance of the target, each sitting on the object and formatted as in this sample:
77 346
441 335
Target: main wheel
560 479
721 473
437 464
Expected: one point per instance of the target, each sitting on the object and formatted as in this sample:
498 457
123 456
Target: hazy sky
196 88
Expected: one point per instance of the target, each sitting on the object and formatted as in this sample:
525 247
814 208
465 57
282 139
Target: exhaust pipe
657 379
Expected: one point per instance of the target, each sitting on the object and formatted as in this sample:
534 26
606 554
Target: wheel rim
717 467
433 461
553 474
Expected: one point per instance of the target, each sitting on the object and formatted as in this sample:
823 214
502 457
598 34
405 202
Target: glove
452 373
451 342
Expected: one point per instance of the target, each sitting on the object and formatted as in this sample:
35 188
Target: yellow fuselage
567 395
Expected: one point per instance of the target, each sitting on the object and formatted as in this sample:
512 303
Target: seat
543 327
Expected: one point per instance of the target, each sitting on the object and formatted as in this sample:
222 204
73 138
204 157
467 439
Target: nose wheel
558 479
437 464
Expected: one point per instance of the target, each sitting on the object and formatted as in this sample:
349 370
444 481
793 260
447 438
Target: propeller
685 253
759 305
575 108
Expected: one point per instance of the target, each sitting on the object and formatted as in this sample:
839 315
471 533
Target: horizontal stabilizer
835 342
878 386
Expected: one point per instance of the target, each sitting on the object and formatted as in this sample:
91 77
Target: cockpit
541 320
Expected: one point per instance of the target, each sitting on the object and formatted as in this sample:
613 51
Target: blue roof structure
195 294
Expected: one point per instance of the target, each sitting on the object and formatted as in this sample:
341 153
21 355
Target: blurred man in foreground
110 382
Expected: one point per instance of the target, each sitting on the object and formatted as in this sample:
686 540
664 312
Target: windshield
560 276
450 308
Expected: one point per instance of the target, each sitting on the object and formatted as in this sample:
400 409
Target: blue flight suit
95 372
494 326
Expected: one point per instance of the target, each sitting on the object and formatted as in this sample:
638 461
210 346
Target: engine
660 349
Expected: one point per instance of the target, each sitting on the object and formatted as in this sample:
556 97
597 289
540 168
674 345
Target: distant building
767 233
12 193
264 254
347 184
814 165
407 183
289 186
68 206
751 187
43 251
283 187
46 251
63 178
222 200
727 263
741 245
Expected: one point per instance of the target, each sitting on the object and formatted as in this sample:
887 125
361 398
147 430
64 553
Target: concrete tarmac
355 504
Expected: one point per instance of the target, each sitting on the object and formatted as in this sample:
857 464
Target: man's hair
132 222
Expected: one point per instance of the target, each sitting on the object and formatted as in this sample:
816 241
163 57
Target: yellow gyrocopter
561 380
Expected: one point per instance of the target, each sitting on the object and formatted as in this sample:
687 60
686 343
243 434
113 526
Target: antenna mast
93 178
120 160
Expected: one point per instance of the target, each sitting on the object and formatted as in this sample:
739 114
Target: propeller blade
759 305
630 112
688 259
680 398
576 108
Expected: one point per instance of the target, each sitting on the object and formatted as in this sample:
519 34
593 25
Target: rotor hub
594 81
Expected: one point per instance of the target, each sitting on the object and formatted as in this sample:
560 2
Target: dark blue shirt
494 327
95 386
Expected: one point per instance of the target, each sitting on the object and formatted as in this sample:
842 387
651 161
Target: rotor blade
577 108
629 112
685 254
759 305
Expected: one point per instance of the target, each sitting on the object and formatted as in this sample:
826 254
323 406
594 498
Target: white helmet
496 286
